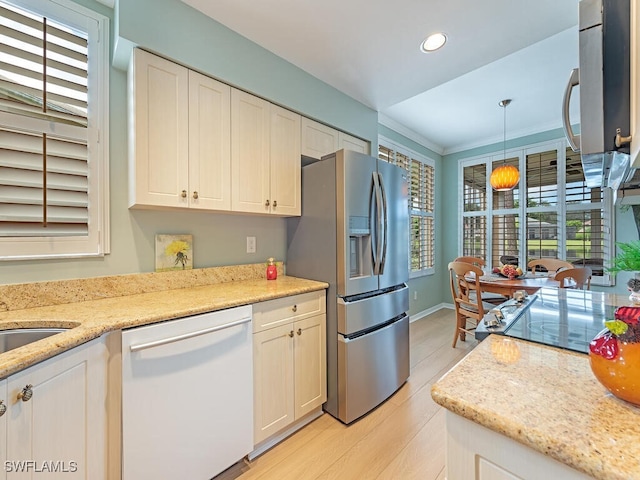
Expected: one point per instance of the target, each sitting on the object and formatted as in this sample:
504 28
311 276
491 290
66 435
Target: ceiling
448 100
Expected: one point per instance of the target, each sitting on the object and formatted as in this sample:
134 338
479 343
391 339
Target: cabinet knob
266 204
3 408
184 194
275 203
26 393
299 331
291 333
195 195
294 308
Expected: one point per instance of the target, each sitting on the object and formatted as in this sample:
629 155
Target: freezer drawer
371 367
367 312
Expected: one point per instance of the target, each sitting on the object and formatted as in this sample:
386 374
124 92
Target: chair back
580 275
467 297
465 280
509 260
477 261
551 265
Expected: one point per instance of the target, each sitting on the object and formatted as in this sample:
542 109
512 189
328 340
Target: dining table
529 282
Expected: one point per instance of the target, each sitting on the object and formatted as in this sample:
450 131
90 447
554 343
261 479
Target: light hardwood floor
402 439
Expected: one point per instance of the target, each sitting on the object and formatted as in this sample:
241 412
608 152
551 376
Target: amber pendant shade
505 177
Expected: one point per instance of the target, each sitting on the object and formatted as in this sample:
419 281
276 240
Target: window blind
421 205
43 174
421 201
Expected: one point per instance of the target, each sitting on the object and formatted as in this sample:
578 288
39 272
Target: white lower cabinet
474 451
56 417
3 427
289 343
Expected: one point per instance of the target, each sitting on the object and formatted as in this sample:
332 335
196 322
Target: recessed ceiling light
433 42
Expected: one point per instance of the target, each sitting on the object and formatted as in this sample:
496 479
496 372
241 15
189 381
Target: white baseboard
429 311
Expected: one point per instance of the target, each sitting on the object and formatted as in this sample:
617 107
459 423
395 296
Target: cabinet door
209 143
249 153
318 140
284 158
310 364
64 422
4 403
273 381
159 157
349 142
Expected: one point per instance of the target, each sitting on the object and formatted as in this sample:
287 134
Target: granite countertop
93 316
547 399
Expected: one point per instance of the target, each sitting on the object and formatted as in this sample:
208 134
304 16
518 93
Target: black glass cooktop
558 317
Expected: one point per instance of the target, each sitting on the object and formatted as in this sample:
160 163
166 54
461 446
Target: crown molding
410 134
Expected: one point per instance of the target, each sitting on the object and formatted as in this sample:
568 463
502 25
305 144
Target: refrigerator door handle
378 224
383 223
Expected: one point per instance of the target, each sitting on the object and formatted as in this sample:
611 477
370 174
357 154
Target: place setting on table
508 279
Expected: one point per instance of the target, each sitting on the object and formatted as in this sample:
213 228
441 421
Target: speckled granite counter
80 304
549 400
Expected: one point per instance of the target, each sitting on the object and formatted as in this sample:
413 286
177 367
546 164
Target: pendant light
505 177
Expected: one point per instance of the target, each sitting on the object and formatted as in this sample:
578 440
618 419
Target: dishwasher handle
177 338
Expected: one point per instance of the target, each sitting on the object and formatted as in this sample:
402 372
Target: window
53 130
421 172
551 214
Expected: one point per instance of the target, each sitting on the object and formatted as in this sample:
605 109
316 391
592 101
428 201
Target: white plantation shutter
421 194
556 215
421 204
50 162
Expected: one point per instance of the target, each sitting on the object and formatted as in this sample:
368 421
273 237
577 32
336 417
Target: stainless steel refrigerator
353 234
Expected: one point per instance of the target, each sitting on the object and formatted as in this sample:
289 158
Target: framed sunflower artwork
174 252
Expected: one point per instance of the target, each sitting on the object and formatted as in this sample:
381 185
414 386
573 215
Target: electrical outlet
415 295
251 244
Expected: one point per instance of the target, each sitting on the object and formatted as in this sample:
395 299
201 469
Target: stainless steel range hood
604 79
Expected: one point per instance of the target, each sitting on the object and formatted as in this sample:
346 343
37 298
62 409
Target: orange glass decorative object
614 355
505 177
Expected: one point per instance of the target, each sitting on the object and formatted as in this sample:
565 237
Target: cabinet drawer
277 312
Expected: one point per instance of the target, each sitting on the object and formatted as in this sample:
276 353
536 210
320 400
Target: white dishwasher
187 396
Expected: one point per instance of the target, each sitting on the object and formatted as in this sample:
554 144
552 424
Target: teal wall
625 229
176 31
430 288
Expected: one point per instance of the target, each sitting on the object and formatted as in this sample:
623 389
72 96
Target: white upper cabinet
349 142
285 162
194 144
159 137
249 153
319 140
265 157
209 143
180 140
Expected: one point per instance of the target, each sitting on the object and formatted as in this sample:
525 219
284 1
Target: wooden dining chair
551 265
467 298
580 275
509 260
489 297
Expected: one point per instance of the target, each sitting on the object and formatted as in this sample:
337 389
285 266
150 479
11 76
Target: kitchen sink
10 339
